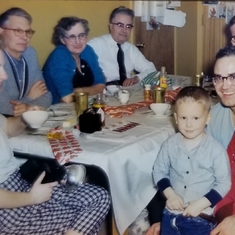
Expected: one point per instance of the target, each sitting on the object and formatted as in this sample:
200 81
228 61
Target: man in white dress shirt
106 47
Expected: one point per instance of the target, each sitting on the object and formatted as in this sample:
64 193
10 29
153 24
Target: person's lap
177 224
82 210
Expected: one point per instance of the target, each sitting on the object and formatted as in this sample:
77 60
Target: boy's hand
41 192
194 208
174 201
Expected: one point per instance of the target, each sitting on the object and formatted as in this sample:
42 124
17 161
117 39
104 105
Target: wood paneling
159 44
214 38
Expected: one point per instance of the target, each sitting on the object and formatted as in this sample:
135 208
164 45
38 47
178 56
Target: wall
188 41
46 13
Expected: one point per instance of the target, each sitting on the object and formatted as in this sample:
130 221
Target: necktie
120 59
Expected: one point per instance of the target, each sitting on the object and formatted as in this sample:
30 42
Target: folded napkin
111 137
119 111
152 79
63 144
170 95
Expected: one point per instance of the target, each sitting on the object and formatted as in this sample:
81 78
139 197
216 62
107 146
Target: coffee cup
123 96
159 108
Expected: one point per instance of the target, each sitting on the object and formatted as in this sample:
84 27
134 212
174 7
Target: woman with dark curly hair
73 65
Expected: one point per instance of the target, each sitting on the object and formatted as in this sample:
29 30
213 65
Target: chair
95 175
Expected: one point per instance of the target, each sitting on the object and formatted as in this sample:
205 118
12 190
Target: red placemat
63 144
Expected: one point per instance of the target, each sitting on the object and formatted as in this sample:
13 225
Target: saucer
167 114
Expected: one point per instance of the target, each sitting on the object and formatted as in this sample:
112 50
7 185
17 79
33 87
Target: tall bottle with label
163 78
99 104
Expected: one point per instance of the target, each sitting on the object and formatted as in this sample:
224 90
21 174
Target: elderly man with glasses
118 58
25 85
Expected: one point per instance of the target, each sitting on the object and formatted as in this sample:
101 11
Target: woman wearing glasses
73 65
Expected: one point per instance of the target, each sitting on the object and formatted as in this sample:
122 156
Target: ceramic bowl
36 118
159 108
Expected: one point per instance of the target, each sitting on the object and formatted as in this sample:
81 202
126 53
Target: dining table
125 149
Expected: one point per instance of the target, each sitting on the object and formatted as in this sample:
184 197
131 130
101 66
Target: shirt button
185 186
188 157
187 172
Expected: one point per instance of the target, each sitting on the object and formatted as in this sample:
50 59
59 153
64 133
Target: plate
167 114
58 115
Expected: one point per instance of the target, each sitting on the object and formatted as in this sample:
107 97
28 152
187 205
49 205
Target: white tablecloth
127 165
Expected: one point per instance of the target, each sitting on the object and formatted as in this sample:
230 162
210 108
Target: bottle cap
163 69
147 86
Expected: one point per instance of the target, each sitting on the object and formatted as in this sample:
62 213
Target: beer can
81 102
197 80
159 95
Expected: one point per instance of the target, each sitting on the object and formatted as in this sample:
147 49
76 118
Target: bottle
163 78
199 79
147 92
99 105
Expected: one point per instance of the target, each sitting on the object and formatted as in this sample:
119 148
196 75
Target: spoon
54 114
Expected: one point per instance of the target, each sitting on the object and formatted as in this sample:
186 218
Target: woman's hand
41 192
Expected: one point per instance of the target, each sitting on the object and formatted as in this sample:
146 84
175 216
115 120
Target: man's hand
226 227
19 108
41 192
194 208
154 229
37 90
131 81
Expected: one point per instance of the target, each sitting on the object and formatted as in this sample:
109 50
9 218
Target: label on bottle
147 95
101 112
163 82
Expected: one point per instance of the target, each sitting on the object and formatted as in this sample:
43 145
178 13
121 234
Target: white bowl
159 108
35 118
112 89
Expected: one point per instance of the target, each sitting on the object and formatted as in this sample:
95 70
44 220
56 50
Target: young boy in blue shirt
191 169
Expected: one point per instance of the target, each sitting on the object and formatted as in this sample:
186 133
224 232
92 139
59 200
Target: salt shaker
140 225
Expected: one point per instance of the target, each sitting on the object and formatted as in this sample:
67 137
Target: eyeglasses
122 26
72 37
219 79
232 38
20 32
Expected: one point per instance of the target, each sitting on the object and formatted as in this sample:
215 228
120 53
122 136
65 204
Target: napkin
111 137
170 95
119 111
64 145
